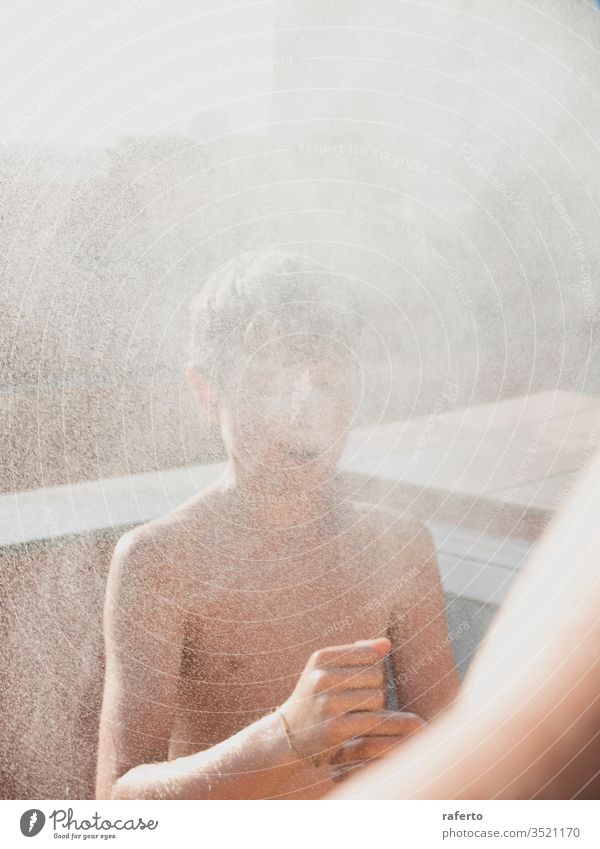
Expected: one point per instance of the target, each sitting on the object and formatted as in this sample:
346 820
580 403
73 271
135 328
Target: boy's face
290 410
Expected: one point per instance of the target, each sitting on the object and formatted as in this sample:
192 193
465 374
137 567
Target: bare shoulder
404 546
162 554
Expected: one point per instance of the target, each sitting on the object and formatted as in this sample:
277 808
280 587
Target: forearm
252 764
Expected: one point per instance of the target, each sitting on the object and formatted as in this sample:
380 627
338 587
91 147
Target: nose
316 424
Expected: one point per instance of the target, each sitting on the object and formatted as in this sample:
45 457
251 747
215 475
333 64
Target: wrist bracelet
312 759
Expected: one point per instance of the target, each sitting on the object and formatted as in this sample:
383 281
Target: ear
202 391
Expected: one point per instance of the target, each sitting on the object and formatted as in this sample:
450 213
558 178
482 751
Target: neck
279 501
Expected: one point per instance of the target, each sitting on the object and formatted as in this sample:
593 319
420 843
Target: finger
395 723
332 679
378 723
361 653
341 773
365 749
355 700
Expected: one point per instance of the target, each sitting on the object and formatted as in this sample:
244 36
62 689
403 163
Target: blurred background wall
446 156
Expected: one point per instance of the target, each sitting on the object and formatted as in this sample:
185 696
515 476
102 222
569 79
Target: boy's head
274 360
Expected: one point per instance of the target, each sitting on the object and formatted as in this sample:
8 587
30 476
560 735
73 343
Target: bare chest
248 637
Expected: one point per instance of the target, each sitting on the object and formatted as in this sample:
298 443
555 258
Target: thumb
382 645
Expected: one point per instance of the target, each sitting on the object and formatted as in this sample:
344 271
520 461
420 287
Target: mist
441 162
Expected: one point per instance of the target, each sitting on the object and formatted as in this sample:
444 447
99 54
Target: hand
336 698
389 728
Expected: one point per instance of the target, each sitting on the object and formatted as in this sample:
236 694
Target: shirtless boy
221 680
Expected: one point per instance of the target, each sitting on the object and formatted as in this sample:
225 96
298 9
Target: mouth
301 454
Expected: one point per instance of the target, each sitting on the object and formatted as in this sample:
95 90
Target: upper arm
142 634
425 674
